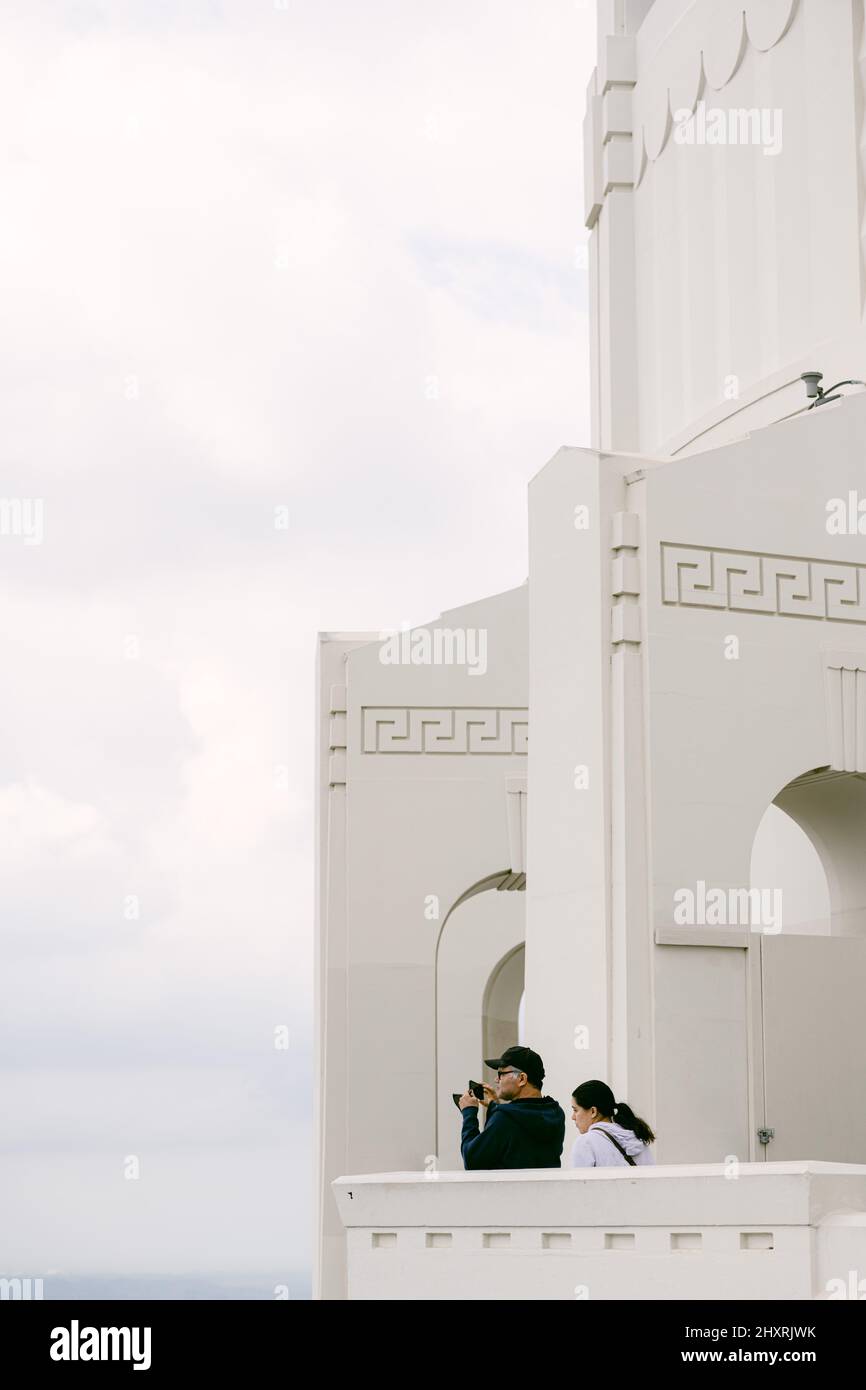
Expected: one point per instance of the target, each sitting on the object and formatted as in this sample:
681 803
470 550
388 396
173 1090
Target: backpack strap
619 1146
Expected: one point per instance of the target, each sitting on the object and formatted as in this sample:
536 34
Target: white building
690 652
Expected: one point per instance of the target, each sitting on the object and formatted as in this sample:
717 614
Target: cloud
37 826
240 243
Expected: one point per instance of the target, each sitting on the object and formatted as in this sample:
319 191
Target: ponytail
599 1094
626 1117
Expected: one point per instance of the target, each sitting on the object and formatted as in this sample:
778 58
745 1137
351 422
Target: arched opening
479 987
809 972
500 1020
810 847
784 858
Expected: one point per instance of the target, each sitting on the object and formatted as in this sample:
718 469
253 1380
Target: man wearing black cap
524 1129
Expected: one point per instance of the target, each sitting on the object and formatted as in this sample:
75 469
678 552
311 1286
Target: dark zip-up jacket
518 1134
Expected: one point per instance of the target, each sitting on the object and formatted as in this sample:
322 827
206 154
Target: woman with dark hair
609 1132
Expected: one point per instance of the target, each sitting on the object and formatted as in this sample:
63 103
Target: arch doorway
503 996
811 847
808 977
479 987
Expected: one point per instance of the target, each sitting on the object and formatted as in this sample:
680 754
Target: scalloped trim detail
724 31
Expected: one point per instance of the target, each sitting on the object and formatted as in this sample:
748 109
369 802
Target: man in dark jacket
524 1129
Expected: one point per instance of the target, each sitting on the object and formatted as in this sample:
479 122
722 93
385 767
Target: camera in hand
475 1087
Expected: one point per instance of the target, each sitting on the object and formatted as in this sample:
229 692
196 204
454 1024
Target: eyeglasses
508 1071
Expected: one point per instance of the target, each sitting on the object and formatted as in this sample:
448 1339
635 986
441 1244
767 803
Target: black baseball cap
524 1059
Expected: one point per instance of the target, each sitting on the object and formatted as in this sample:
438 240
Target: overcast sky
314 259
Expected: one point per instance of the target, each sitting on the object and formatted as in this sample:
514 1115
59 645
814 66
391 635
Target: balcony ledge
794 1230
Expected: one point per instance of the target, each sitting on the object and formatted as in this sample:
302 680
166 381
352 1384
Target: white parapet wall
697 1231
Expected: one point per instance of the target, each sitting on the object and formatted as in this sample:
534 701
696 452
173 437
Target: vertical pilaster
609 214
631 944
568 860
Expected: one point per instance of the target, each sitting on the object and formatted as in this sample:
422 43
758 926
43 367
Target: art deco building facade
647 813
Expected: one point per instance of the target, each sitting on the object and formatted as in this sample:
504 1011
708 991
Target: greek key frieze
744 582
464 730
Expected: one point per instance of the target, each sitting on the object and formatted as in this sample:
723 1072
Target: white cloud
39 828
237 242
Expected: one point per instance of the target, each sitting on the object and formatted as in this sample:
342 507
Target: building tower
675 873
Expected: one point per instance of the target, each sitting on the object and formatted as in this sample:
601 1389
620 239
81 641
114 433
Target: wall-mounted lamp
817 395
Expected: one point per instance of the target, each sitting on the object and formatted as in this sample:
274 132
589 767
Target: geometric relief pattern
845 694
712 39
697 577
417 729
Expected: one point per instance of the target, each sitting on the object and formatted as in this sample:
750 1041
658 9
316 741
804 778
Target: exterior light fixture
815 392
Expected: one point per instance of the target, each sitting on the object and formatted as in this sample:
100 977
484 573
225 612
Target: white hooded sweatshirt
593 1150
